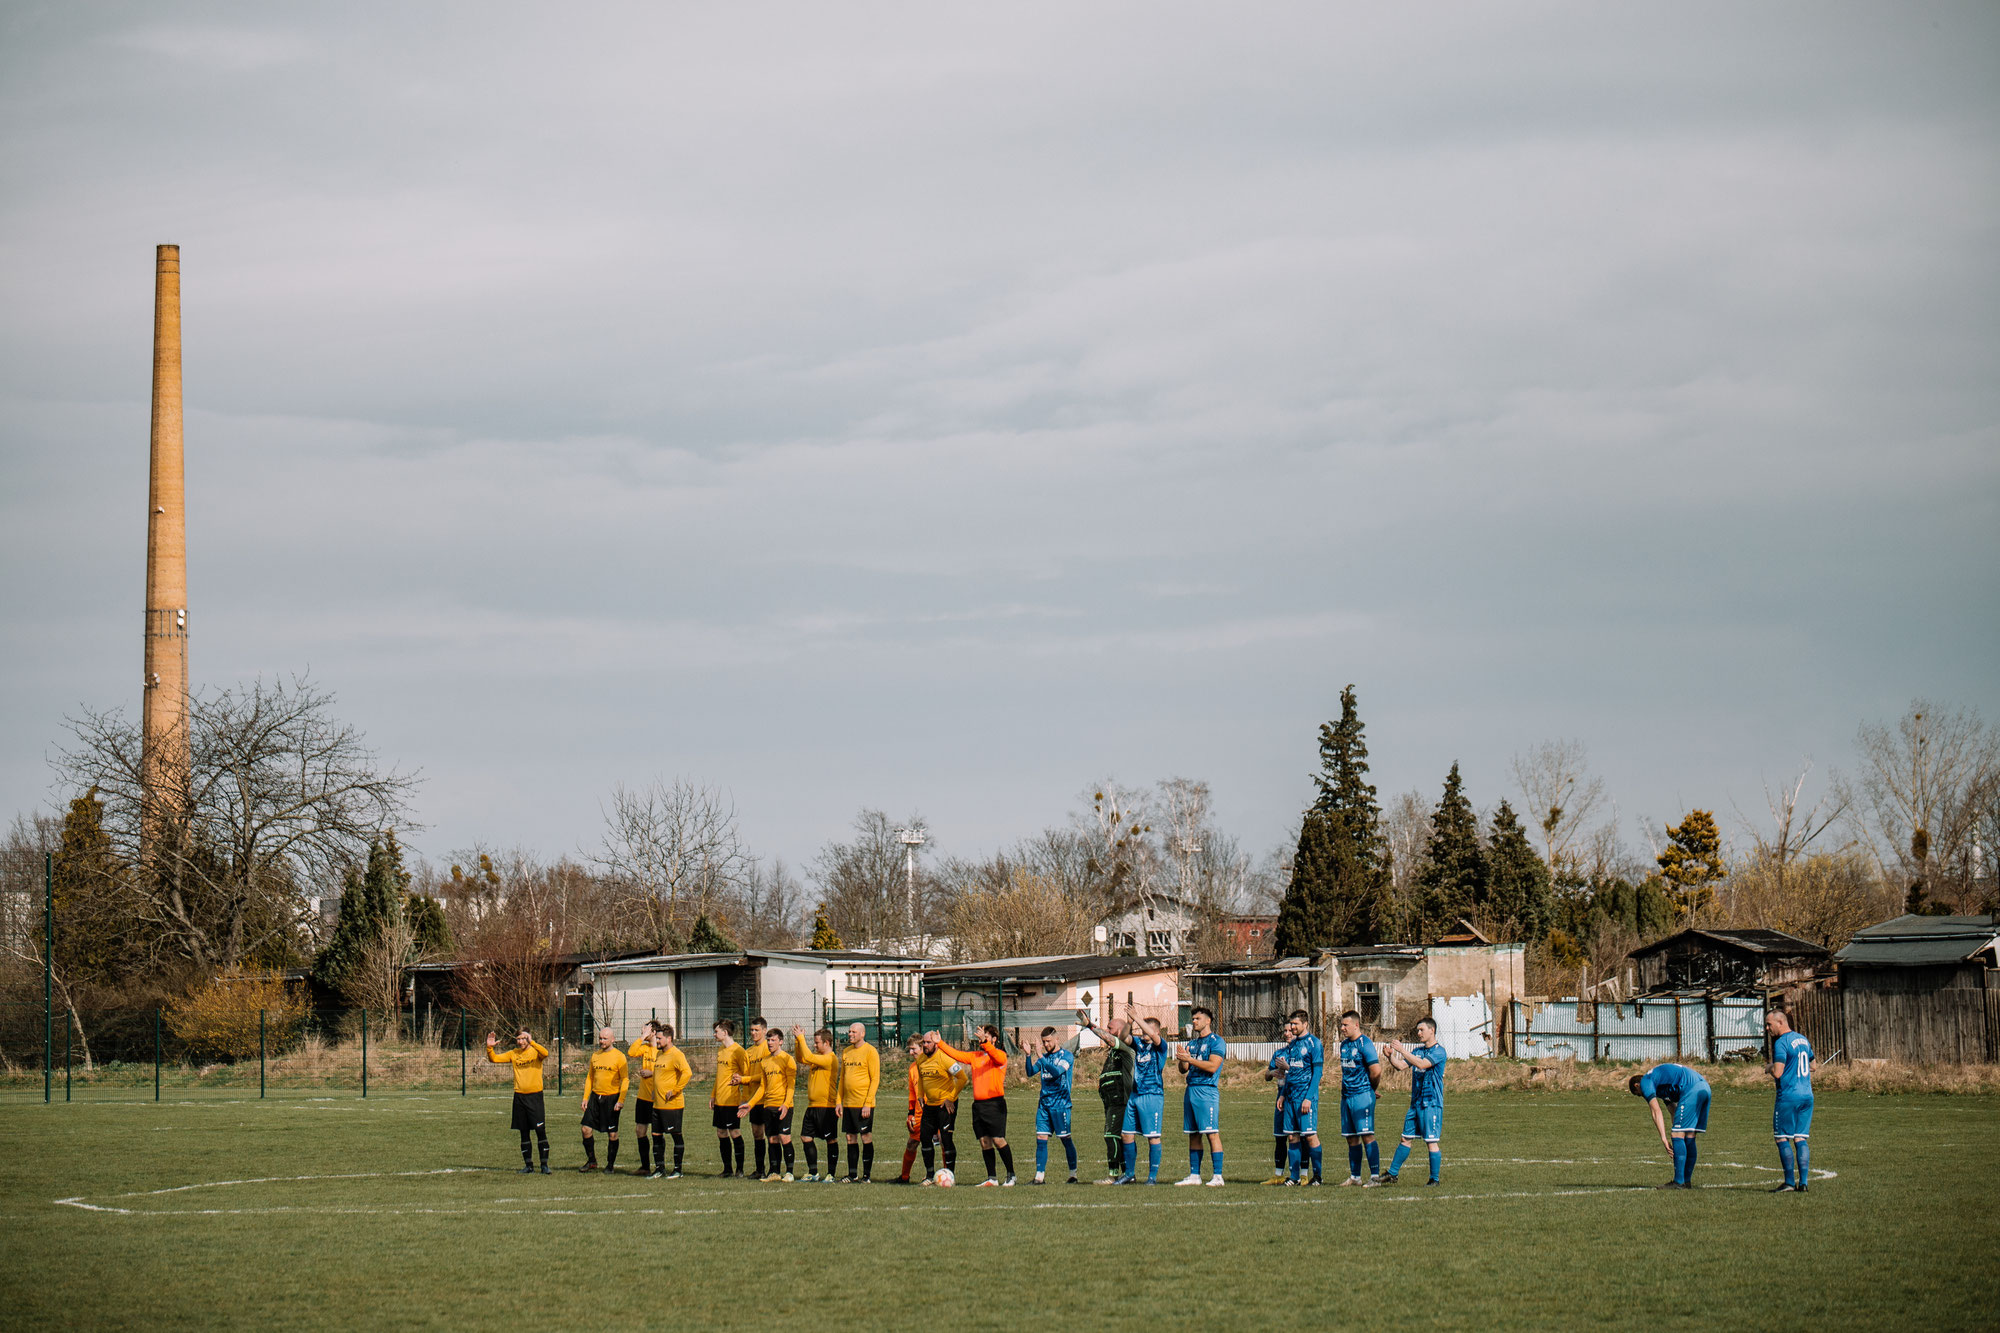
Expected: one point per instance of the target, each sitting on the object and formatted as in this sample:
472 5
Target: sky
944 408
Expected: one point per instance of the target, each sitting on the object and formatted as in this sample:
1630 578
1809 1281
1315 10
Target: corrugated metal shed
1922 941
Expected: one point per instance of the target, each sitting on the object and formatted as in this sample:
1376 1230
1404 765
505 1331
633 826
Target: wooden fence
1955 1026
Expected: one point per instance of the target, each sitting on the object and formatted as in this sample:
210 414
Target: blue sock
1374 1158
1437 1160
1317 1157
1693 1152
1804 1151
1354 1160
1131 1157
1680 1161
1152 1160
1785 1158
1041 1156
1396 1162
1194 1161
1069 1151
1215 1163
1292 1151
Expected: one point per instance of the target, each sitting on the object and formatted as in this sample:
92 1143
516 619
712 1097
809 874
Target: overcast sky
940 407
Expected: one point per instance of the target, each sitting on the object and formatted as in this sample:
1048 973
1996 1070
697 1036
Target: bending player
860 1079
526 1058
1425 1118
1201 1105
822 1118
1687 1092
671 1076
1053 1069
1791 1069
988 1066
604 1086
1360 1074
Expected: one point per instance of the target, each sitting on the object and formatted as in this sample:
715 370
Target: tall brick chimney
164 743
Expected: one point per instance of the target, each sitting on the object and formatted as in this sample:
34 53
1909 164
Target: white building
785 987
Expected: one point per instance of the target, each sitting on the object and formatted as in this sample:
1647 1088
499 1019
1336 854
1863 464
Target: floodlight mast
911 838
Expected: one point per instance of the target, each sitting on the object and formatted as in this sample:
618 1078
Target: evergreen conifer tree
1521 900
706 938
1455 879
1693 861
824 935
95 934
1340 889
369 900
430 932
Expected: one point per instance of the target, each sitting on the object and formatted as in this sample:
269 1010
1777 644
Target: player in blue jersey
1297 1067
1687 1092
1052 1069
1425 1118
1147 1106
1360 1074
1791 1068
1200 1059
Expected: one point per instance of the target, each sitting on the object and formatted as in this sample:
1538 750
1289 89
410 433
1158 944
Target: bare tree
1920 795
1559 797
1027 916
1124 860
280 795
767 911
674 848
1406 828
869 891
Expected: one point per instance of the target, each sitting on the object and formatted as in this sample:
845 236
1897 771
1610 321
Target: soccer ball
946 1179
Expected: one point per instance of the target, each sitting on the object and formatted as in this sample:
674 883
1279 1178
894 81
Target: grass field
405 1210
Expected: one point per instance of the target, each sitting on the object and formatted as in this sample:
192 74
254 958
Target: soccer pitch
216 1210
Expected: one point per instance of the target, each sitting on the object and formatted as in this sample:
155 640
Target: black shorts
858 1120
775 1119
667 1121
601 1112
937 1121
642 1114
821 1122
725 1117
989 1118
528 1113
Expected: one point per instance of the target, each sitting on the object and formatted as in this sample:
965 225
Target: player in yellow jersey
604 1085
939 1080
860 1079
671 1075
914 1119
754 1051
771 1104
526 1057
822 1118
725 1102
643 1051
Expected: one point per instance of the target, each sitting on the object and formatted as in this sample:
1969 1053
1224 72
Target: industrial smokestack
163 729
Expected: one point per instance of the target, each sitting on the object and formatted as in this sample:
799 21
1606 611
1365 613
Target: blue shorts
1201 1110
1357 1115
1143 1114
1793 1118
1298 1120
1052 1117
1691 1113
1424 1122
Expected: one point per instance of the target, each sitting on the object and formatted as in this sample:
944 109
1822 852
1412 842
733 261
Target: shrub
221 1019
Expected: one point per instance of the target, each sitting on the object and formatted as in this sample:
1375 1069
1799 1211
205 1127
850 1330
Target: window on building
1368 1002
1254 932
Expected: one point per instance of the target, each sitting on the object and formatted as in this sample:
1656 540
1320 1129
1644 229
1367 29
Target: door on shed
1465 1025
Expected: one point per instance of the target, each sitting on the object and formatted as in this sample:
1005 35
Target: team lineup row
755 1086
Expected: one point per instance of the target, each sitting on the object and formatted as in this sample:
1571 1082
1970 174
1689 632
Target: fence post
1708 1001
559 1052
48 975
364 1052
461 1052
156 1053
260 1054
